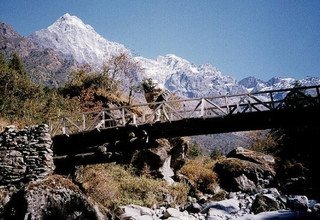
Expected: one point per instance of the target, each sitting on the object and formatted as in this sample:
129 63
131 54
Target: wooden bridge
123 125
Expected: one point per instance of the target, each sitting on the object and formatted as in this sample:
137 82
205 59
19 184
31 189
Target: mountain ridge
52 53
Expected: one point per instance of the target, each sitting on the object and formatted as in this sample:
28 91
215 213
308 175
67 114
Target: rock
237 174
134 212
263 203
281 214
25 155
194 208
295 185
298 203
244 183
171 212
166 171
174 214
178 152
52 198
316 210
227 207
252 156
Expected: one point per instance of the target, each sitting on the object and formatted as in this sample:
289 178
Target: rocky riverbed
267 204
247 185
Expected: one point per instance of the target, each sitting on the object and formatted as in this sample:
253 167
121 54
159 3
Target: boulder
263 203
245 170
162 157
134 212
52 198
178 152
252 156
225 209
298 203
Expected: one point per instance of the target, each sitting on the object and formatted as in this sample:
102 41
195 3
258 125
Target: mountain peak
77 40
68 22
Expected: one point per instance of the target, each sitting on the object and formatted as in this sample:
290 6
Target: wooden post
202 112
227 104
123 116
318 94
103 120
272 102
134 119
64 129
83 122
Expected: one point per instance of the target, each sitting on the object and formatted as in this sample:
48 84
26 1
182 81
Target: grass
113 185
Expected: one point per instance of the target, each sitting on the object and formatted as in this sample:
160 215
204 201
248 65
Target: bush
200 171
215 154
194 151
112 185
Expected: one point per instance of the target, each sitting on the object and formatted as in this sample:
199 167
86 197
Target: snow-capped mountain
70 36
68 43
253 84
45 66
185 79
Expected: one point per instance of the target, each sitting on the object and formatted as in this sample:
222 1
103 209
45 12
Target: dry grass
5 122
113 185
200 171
54 182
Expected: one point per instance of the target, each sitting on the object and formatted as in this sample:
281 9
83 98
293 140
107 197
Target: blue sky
241 37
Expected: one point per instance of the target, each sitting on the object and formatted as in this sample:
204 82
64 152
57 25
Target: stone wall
25 154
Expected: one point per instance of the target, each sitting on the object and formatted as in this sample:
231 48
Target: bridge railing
182 109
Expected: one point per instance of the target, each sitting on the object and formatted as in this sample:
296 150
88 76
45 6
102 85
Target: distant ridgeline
25 155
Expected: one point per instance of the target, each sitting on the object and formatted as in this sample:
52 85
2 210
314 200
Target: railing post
123 116
83 122
134 119
64 129
272 101
103 120
318 94
227 104
202 106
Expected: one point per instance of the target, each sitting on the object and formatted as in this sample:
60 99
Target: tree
3 61
298 146
125 69
15 63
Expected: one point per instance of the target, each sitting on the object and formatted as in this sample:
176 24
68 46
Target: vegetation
113 185
294 147
23 102
194 151
200 172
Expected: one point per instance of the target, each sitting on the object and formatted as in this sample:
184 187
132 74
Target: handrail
172 110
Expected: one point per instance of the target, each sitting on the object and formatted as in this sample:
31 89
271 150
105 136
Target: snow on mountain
252 84
80 42
153 69
185 79
70 36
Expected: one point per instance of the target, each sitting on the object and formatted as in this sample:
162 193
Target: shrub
200 171
215 154
113 185
194 151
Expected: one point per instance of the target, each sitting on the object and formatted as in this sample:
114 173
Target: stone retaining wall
25 154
